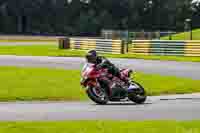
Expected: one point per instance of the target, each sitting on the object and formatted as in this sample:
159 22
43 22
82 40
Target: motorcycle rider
101 62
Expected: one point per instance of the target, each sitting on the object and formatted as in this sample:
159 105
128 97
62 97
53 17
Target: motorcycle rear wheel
137 95
100 98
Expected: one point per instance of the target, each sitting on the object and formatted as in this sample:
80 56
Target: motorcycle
102 87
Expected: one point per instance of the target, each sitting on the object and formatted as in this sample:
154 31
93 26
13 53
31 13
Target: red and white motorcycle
102 87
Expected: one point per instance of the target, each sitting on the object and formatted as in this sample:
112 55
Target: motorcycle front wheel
137 95
97 95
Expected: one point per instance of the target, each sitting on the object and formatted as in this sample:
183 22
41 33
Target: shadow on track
123 104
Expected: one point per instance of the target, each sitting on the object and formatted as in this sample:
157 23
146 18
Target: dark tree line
89 17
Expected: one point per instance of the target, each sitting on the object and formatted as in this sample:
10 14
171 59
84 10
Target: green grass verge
156 57
185 36
39 50
101 127
53 84
52 50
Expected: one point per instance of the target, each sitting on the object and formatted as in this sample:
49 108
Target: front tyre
99 96
137 95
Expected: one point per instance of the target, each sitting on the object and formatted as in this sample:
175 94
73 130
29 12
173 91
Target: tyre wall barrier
100 45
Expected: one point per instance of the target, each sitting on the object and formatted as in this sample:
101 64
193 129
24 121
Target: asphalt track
156 108
180 69
28 43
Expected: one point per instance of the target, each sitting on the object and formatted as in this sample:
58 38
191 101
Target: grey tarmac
178 107
172 68
28 43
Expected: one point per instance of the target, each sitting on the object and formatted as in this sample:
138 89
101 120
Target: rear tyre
98 96
137 95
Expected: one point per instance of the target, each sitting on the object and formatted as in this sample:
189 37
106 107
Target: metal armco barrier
168 47
192 48
100 45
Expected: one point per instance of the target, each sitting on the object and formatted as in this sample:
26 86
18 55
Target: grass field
185 36
39 50
52 50
53 84
101 127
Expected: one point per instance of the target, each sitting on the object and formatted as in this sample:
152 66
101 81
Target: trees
88 17
196 14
